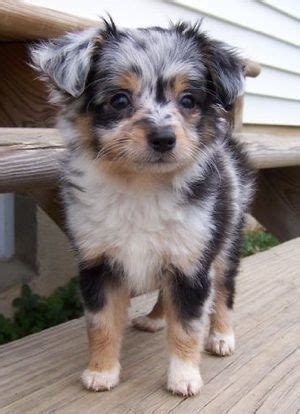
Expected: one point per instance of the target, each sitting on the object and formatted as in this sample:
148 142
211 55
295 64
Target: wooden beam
24 98
21 21
277 202
252 69
271 151
49 199
29 157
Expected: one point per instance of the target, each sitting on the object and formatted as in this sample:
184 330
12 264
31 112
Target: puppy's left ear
65 62
225 71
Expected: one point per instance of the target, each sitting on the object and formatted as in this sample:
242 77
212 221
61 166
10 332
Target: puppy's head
147 99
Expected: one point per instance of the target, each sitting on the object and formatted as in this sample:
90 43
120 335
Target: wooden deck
39 374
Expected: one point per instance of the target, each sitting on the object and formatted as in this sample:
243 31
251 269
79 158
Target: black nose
162 140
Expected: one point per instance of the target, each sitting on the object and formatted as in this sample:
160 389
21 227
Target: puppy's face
149 99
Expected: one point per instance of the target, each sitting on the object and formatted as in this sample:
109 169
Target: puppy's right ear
65 62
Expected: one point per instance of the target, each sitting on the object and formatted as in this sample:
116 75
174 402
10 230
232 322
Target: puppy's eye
187 101
120 101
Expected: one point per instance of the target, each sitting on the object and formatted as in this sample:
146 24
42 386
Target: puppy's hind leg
221 339
154 321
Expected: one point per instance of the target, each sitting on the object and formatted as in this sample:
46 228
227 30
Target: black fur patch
140 45
160 90
201 188
190 294
232 264
246 172
136 70
105 116
70 185
76 172
221 213
93 283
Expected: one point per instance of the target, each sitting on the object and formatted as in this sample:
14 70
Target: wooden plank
269 151
30 160
40 373
276 131
49 200
24 97
30 157
21 21
237 114
277 202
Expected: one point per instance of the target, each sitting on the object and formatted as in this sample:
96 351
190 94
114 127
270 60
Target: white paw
220 344
144 323
100 381
183 378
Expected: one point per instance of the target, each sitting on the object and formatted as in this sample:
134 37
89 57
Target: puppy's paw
144 323
183 378
220 344
100 381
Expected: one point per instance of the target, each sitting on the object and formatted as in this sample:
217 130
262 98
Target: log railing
29 157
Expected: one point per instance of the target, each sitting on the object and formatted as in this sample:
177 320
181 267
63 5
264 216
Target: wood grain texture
237 114
40 373
252 68
30 157
23 100
277 202
49 199
21 21
271 151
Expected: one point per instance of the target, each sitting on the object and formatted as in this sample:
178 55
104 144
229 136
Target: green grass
258 241
34 313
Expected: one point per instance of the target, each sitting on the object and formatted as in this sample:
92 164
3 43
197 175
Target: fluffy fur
155 189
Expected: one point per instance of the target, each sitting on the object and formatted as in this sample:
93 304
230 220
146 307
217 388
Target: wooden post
277 202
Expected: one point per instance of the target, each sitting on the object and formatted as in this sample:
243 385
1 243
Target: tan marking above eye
179 85
130 82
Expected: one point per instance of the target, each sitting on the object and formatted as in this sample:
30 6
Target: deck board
39 374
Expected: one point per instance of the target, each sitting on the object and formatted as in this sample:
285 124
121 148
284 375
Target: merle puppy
155 188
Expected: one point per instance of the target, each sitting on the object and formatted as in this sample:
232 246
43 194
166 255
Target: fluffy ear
65 62
226 71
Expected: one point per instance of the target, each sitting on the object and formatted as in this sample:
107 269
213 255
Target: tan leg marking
154 321
185 346
221 336
105 335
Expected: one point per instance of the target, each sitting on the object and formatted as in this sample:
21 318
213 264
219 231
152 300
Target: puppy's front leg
186 303
106 300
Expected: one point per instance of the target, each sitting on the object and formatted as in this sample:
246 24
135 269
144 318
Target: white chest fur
142 229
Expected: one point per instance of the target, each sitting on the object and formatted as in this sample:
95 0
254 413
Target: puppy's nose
162 140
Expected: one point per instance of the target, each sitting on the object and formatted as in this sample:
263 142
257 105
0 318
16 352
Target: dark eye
187 101
120 101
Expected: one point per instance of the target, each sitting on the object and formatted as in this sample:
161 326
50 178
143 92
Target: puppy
155 189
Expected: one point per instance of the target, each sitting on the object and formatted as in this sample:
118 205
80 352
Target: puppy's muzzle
162 140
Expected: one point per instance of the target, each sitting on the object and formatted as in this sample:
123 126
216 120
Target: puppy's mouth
160 158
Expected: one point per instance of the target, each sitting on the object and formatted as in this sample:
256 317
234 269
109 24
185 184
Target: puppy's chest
143 229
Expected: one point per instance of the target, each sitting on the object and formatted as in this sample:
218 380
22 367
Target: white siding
289 7
264 30
248 14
